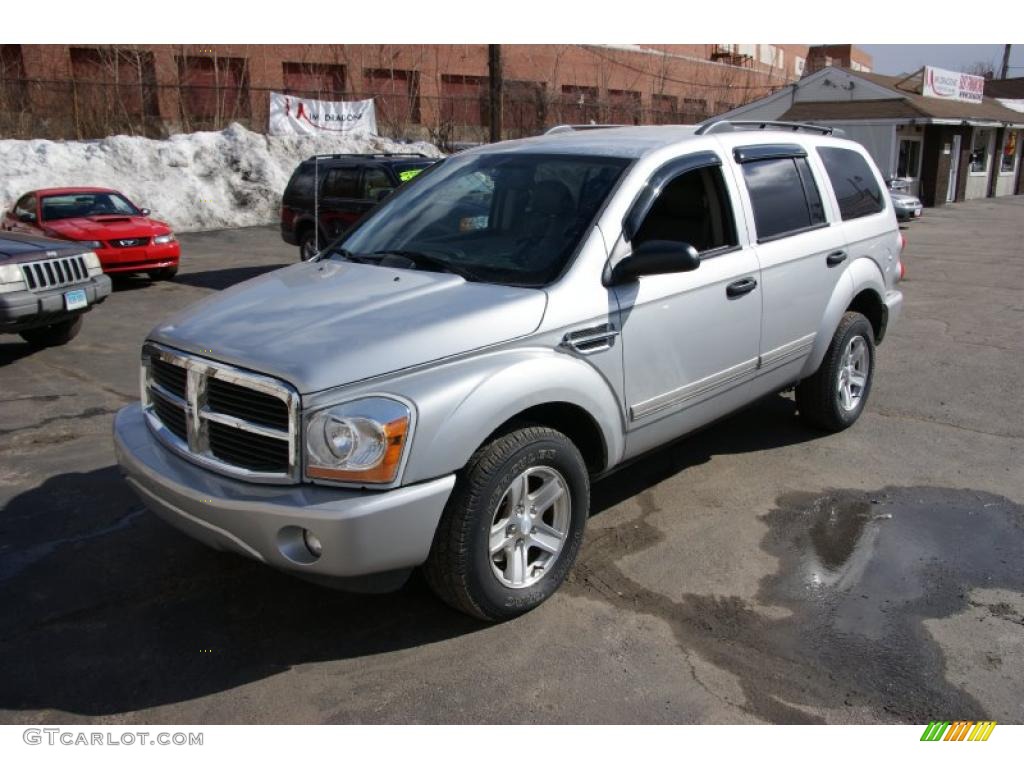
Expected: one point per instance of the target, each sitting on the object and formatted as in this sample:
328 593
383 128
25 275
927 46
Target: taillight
903 271
903 241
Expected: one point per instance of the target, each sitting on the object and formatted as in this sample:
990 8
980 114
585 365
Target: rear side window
341 182
301 185
856 190
784 196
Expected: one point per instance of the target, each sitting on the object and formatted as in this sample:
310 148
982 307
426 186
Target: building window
579 104
695 110
464 100
396 94
664 109
214 89
623 107
524 107
314 81
13 90
1008 157
981 149
908 165
798 65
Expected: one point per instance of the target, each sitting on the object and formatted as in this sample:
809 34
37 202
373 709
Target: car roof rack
724 126
582 127
343 155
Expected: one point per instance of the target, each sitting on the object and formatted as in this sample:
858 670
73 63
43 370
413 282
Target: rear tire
55 334
834 397
513 525
165 273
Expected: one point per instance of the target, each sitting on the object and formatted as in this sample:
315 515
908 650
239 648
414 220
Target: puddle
860 573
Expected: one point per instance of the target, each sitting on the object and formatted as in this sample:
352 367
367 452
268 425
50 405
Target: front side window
856 190
783 195
694 209
27 205
512 218
85 204
375 181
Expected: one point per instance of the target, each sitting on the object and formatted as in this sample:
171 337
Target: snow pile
208 180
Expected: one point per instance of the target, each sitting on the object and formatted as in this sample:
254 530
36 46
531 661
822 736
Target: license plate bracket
75 300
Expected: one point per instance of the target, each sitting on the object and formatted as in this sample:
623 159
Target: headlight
92 263
11 278
90 243
161 239
361 441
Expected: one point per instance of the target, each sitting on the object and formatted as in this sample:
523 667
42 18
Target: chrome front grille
232 421
54 273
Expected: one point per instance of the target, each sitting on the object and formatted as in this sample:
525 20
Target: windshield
504 218
81 204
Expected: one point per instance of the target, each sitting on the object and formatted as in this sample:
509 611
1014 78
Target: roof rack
724 126
341 155
582 127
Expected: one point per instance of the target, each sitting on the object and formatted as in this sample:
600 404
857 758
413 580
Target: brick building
435 91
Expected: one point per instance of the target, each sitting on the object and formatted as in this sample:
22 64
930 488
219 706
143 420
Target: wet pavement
756 571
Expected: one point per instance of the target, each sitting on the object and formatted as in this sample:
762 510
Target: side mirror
27 218
145 211
656 257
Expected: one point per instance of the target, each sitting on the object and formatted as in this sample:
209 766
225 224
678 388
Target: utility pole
496 87
1006 62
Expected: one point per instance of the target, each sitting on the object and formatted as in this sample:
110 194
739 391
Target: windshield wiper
421 259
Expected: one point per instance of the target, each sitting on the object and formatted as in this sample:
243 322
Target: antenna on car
316 203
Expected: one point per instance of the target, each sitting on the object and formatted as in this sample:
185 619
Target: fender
455 421
861 274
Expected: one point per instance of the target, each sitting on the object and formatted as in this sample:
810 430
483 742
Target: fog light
312 543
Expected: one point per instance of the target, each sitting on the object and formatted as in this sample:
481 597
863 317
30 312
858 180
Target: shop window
856 189
783 195
1008 156
908 166
314 81
981 149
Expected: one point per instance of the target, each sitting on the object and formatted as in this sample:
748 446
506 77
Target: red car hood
106 227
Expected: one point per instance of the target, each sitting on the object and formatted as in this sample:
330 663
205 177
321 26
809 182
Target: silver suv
439 387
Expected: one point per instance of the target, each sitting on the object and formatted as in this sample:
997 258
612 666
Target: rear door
340 201
800 251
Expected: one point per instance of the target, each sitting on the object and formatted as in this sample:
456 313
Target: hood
106 227
16 247
323 324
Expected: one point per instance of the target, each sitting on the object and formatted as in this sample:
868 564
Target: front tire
513 526
834 397
54 335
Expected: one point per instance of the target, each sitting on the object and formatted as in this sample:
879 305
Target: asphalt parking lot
757 571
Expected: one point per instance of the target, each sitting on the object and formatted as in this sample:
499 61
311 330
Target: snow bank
208 180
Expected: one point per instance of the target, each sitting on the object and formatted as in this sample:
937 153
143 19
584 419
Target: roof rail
366 154
582 127
724 126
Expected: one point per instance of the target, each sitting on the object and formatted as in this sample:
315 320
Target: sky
896 59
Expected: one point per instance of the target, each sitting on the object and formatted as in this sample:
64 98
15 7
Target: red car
103 220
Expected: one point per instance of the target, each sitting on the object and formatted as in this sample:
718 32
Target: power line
676 80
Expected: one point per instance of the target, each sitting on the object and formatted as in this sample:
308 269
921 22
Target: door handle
835 258
740 287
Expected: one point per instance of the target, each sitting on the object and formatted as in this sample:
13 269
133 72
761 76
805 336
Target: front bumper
362 532
908 213
27 309
140 259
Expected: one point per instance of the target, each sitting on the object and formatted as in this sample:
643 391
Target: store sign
290 115
955 86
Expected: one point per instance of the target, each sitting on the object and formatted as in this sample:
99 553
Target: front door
689 337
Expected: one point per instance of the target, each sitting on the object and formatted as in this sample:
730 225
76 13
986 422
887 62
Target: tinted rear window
784 196
856 190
